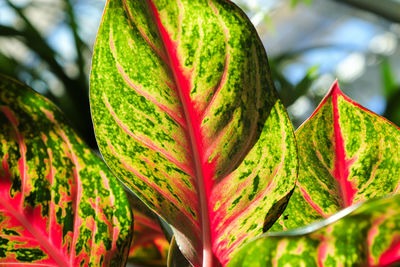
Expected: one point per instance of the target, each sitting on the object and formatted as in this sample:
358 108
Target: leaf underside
347 155
186 116
363 237
59 203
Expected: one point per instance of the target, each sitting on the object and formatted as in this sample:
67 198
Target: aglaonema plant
150 245
365 234
347 155
59 203
186 115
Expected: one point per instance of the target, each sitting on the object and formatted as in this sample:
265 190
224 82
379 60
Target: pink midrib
342 165
322 251
392 254
203 172
19 214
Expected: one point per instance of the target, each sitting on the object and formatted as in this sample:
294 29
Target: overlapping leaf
149 245
186 115
59 203
361 235
347 154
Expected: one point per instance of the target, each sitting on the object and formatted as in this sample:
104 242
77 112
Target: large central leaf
186 115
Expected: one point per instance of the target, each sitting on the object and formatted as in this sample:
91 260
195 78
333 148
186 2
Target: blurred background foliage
47 44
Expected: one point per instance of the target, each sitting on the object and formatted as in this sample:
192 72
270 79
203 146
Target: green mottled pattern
372 157
345 242
374 145
59 203
144 124
252 194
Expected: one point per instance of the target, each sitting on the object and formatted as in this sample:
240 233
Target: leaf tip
335 89
334 92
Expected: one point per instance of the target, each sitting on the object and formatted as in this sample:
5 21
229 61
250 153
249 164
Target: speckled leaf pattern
149 245
59 203
347 154
362 235
186 115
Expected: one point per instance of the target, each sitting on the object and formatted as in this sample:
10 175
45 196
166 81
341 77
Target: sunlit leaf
59 203
347 155
361 235
186 116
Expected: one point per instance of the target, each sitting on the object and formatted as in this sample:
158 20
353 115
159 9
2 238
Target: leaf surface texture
59 203
186 115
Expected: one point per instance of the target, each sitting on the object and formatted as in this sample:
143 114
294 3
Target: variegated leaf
347 154
361 235
186 115
149 244
59 203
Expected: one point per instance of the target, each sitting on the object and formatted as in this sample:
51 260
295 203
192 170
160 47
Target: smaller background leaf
365 235
59 203
149 245
347 154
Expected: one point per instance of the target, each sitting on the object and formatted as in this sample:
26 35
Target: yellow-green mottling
210 53
60 205
345 242
372 156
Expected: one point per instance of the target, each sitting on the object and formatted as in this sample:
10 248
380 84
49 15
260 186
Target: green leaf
347 154
59 203
362 235
294 3
186 115
149 246
389 83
